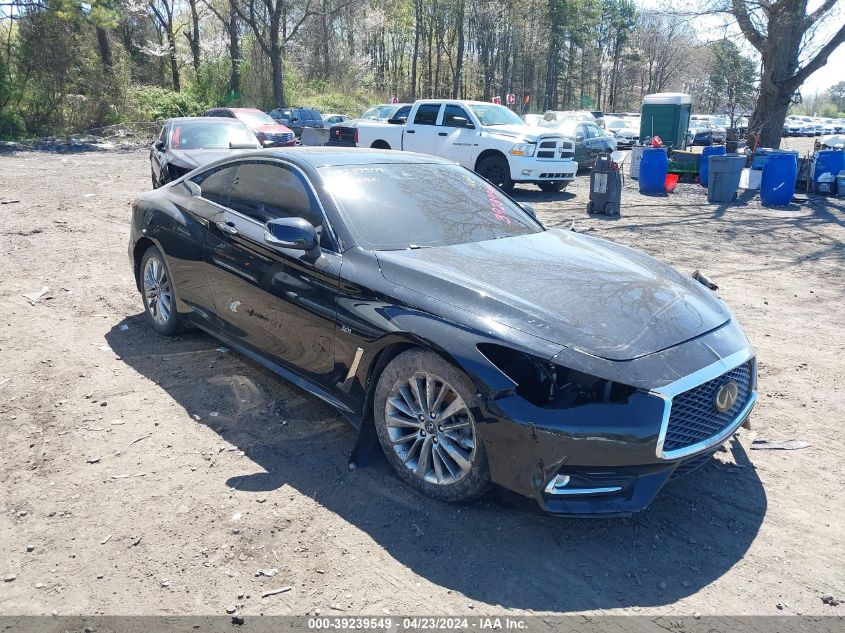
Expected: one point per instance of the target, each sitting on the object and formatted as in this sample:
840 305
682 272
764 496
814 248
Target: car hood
581 292
522 133
193 158
268 128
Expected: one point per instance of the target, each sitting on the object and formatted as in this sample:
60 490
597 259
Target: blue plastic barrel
712 150
653 169
761 154
830 161
777 184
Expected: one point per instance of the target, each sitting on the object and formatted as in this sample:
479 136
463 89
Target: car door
455 140
582 155
279 302
296 121
201 201
158 153
421 132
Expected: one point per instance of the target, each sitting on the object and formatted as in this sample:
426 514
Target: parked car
839 126
298 118
332 119
487 138
566 115
627 135
707 134
386 111
476 347
190 142
792 127
834 141
828 126
267 131
589 139
532 119
808 128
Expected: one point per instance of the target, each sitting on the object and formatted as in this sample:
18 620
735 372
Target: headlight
544 384
523 149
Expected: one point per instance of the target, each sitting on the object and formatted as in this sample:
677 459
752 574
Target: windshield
496 115
379 112
255 118
615 124
210 135
567 126
393 206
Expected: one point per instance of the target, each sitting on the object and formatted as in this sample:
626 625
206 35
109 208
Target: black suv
298 118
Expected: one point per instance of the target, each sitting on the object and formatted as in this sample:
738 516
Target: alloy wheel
430 428
157 290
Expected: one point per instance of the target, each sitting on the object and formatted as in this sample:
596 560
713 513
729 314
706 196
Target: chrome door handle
227 227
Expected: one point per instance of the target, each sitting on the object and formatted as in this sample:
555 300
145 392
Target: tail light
355 135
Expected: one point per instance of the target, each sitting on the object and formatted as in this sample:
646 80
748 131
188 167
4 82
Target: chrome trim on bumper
551 490
695 379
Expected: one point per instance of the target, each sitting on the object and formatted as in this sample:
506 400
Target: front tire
496 170
158 294
423 418
552 186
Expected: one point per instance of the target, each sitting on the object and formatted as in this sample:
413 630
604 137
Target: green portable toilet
666 114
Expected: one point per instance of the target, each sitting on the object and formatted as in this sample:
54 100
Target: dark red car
268 132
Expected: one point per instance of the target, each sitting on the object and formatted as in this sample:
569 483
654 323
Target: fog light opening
558 483
526 172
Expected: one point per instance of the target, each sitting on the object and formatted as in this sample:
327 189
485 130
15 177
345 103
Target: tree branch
816 15
740 11
817 62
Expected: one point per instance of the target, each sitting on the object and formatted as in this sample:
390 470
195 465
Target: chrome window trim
696 379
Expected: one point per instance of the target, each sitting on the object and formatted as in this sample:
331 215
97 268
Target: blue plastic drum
653 169
712 150
777 184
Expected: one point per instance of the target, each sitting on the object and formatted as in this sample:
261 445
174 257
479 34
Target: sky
710 28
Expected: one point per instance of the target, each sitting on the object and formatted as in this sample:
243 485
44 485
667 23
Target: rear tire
158 294
496 170
552 186
422 411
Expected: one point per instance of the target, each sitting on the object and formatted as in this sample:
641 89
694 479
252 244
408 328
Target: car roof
324 156
204 119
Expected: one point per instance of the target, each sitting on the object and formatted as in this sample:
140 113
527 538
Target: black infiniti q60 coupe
442 318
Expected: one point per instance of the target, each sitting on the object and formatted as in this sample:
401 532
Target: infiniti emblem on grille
726 396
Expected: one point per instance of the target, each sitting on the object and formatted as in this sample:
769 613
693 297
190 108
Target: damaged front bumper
611 459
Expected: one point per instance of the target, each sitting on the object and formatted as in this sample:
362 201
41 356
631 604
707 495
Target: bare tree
162 11
781 31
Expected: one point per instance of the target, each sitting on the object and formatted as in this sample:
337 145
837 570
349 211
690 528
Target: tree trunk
417 25
234 53
459 56
104 46
278 81
174 62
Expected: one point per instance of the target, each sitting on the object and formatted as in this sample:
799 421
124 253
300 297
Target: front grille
551 148
555 176
282 138
694 418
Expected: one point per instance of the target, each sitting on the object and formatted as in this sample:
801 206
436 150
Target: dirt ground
141 475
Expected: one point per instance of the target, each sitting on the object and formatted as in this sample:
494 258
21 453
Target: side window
266 191
315 116
427 114
592 131
163 136
581 132
455 116
402 113
296 115
216 184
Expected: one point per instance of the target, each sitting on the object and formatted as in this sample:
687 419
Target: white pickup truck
487 138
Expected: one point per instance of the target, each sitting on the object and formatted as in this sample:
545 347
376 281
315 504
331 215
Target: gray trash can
723 178
605 187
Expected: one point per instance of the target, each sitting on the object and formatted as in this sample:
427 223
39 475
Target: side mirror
295 233
399 121
529 209
579 138
159 145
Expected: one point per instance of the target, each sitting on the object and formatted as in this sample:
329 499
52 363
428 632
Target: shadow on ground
695 531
